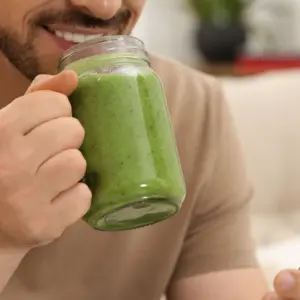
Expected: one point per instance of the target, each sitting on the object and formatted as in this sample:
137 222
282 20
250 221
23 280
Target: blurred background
253 46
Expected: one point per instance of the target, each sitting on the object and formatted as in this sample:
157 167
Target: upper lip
81 30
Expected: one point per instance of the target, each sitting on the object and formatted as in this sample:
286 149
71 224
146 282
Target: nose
102 9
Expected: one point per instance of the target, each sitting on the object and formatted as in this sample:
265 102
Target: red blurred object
251 65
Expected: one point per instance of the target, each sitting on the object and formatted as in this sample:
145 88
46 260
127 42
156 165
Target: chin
48 60
48 64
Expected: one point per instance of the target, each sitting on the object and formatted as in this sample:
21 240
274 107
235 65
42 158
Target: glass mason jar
133 169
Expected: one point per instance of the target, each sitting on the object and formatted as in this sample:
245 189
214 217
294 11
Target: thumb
64 83
287 284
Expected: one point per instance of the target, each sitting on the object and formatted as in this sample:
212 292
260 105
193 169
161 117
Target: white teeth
91 37
76 37
59 33
68 36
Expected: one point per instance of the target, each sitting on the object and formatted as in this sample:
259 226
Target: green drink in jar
133 169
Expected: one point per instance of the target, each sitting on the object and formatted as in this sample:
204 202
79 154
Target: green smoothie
133 167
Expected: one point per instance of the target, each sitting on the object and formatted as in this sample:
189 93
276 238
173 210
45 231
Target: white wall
167 28
275 27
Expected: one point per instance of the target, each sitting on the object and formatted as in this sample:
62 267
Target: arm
218 255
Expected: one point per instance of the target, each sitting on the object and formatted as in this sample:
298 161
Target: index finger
64 83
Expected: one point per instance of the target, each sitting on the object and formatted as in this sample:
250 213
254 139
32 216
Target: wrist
10 259
12 254
10 250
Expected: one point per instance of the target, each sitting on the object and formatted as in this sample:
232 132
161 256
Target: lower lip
61 43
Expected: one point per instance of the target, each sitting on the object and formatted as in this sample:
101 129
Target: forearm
10 259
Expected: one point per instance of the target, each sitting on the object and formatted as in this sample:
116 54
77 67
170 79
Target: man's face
35 33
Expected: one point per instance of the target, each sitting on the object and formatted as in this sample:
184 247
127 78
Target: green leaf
218 11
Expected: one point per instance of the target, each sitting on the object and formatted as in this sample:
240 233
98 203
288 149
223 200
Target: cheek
11 14
136 7
17 14
12 24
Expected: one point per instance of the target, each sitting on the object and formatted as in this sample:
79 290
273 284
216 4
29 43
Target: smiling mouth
77 35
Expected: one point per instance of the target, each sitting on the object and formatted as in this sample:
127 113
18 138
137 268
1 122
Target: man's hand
40 165
40 169
286 285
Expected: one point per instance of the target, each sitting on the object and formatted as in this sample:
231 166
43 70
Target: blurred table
219 69
247 66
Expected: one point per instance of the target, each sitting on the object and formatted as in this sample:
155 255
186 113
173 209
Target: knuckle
62 103
28 227
40 232
85 197
53 100
78 162
35 231
54 232
84 191
8 120
78 131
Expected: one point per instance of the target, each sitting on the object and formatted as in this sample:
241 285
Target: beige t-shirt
210 233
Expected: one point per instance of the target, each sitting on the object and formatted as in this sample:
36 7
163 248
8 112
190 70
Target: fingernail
286 281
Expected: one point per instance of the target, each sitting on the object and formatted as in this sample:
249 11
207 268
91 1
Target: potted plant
221 34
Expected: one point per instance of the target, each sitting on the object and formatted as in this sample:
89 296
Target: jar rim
129 43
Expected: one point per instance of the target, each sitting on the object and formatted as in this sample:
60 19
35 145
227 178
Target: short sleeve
219 236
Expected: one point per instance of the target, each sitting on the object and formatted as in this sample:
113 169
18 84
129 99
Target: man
46 252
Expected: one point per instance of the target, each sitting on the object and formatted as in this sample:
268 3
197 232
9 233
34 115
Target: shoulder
183 82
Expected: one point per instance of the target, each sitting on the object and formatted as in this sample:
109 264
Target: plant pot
220 44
